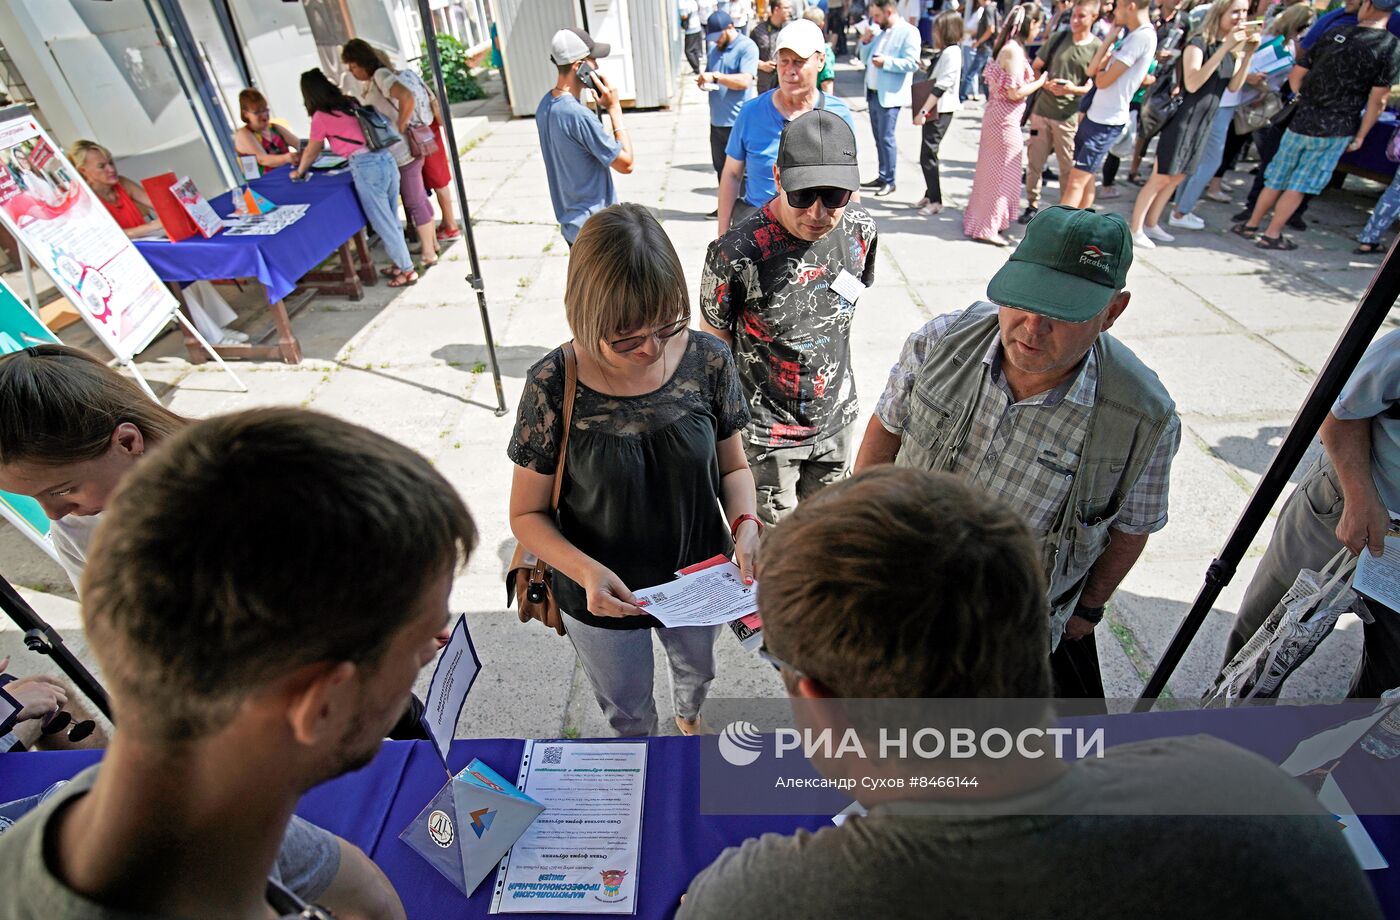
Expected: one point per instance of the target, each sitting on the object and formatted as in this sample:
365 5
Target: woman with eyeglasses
272 144
654 473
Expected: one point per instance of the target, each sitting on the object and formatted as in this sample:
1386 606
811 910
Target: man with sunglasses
781 288
1027 396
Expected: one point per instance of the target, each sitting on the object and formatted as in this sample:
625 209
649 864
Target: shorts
1304 163
1091 143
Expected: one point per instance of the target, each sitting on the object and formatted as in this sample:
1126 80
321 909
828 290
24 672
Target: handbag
1162 103
422 142
528 580
1257 113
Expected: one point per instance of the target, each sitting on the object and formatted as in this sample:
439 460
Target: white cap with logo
802 37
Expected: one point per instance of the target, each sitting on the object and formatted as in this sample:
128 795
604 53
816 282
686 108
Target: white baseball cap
803 37
569 45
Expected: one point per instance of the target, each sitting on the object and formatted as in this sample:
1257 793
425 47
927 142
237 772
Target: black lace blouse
641 482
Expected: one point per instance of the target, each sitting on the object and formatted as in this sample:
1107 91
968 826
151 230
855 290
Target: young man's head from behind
273 577
905 583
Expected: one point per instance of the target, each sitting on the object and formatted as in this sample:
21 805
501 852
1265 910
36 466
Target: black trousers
836 24
933 129
1266 141
1234 146
719 139
1075 668
695 50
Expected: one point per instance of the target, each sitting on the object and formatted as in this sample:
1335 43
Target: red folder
169 211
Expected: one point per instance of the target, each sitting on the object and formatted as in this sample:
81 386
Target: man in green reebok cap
1057 417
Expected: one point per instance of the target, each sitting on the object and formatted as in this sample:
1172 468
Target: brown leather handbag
528 578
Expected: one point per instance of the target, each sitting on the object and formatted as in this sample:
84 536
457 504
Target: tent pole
1375 304
40 637
425 14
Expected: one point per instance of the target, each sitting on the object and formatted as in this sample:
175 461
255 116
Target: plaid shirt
1027 452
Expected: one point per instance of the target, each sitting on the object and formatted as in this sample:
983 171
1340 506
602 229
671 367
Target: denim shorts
1091 143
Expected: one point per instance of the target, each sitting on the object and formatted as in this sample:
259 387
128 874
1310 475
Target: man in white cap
578 152
746 183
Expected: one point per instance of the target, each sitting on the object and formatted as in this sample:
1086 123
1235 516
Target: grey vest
1131 411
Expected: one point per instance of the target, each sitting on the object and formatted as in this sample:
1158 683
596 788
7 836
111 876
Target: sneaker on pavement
1158 234
1187 222
1026 215
1223 197
1109 191
1143 241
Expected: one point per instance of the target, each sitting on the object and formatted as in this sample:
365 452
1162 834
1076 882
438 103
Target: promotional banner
68 232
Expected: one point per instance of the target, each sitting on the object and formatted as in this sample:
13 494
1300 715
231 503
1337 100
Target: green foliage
461 85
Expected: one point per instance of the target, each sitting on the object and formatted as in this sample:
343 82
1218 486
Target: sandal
389 272
1281 243
1367 249
404 279
1245 230
1137 180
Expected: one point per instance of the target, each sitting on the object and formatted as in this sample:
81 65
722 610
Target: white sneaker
1109 191
233 337
1223 197
1187 222
1142 241
1158 234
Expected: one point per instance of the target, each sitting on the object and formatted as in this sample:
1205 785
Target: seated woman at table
274 145
401 97
131 208
656 478
375 173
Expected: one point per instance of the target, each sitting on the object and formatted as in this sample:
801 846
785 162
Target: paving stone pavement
1236 334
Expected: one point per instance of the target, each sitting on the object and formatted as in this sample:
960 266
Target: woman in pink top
375 173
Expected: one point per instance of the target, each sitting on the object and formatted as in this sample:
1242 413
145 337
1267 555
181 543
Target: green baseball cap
1068 266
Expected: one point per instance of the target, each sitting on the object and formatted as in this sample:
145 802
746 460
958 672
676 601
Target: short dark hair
319 94
360 52
905 583
252 544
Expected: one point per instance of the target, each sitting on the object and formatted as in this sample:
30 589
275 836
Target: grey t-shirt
1374 392
1044 857
306 865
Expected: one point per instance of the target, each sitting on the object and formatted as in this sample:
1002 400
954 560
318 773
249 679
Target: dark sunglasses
832 198
633 342
63 720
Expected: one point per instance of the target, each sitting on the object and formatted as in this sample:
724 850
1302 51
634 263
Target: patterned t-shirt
792 332
1343 68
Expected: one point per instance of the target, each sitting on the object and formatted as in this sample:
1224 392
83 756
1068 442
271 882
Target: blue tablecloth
1372 156
277 261
372 806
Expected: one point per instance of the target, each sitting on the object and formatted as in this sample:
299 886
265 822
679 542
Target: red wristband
734 528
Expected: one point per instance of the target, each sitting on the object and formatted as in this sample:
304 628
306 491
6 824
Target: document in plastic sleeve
709 597
581 855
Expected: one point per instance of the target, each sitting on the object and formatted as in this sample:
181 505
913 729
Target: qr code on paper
659 597
553 755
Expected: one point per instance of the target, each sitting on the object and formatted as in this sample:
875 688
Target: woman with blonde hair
655 477
1224 145
995 201
1215 58
131 208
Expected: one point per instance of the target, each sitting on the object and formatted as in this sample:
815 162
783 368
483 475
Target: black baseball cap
818 150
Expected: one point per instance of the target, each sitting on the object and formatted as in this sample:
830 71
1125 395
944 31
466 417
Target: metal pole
1370 313
474 279
40 637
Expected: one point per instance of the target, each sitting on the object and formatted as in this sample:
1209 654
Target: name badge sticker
848 286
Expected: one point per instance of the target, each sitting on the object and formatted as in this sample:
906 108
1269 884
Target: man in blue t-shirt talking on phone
578 152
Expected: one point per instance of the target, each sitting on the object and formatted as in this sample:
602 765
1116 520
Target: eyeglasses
633 342
777 662
63 719
831 198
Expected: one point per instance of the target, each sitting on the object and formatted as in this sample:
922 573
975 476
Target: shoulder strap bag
528 579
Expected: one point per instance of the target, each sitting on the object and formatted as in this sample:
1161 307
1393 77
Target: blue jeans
882 122
376 178
972 71
1387 209
1190 192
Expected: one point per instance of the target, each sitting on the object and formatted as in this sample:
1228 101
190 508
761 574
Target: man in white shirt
1117 73
890 55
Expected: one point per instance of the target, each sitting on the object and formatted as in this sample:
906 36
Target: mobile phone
585 76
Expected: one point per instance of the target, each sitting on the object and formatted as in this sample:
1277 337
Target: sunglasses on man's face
831 198
633 342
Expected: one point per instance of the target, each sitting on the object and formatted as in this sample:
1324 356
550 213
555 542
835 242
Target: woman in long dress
996 187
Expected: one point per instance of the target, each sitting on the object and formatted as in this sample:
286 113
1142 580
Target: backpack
379 133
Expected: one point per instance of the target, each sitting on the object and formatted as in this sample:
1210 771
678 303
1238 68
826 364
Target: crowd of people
1008 479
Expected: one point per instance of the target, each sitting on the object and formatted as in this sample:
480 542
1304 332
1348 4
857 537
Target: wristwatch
1092 614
